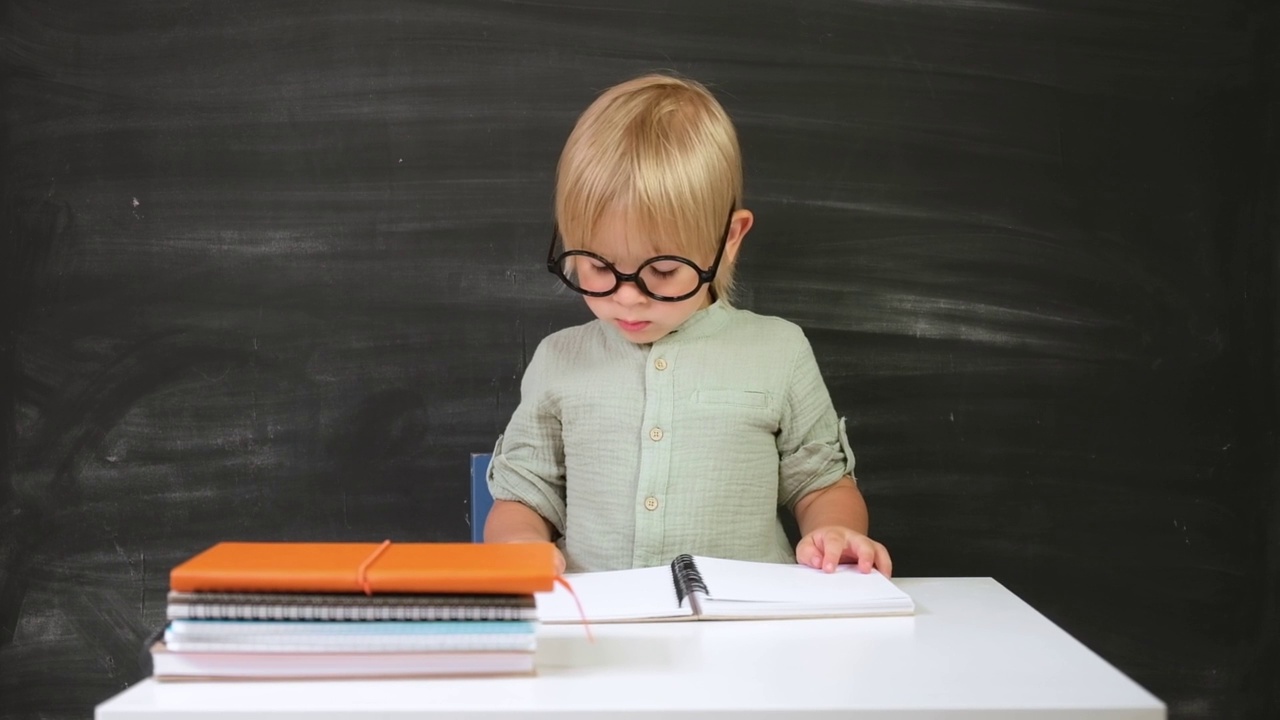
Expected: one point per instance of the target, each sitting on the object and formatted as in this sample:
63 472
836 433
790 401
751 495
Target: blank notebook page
637 594
754 587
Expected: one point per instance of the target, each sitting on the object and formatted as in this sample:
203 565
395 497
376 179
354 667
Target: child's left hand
829 546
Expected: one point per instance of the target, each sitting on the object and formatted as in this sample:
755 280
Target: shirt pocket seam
739 398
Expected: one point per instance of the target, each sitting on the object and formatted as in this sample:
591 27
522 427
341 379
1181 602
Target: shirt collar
703 323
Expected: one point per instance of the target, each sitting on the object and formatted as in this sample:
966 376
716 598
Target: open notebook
702 588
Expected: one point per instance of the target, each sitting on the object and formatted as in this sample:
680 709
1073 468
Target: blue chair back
481 500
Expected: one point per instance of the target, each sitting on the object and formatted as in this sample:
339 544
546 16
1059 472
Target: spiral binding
686 578
215 611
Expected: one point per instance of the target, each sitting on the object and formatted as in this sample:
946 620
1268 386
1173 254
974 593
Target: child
674 422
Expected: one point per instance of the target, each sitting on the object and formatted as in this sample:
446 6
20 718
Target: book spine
215 629
686 578
216 611
273 645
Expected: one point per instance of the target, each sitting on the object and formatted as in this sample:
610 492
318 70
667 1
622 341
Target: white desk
973 650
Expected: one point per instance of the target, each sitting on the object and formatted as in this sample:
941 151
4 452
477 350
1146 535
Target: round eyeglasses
666 278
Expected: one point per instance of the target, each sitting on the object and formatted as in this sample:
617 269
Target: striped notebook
310 606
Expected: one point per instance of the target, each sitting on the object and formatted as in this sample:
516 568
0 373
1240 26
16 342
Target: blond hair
662 150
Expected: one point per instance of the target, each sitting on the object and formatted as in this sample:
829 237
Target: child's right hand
512 522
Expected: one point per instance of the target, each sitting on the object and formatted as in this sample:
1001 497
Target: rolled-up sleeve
813 447
528 458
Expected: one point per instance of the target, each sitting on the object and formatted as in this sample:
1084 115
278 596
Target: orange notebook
462 568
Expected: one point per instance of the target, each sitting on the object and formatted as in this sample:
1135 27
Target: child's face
640 318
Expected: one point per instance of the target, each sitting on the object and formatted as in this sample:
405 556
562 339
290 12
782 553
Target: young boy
674 422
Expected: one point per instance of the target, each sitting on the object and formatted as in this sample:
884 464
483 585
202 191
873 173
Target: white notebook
702 588
169 664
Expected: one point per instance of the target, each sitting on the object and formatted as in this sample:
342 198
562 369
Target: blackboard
272 271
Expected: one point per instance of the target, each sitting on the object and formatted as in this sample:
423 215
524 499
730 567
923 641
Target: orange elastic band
585 625
362 574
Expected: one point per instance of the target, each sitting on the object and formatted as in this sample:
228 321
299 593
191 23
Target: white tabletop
973 650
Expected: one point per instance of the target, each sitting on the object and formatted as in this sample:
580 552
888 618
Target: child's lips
632 326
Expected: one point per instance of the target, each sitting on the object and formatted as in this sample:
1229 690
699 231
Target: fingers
822 549
807 553
833 544
871 554
825 548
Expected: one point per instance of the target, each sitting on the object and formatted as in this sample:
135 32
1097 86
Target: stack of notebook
356 610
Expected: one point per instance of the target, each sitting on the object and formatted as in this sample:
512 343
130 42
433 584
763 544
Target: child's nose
628 293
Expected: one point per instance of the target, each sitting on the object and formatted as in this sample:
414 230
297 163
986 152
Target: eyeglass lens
669 277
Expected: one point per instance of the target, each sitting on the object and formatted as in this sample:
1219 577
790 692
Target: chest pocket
739 398
735 411
737 441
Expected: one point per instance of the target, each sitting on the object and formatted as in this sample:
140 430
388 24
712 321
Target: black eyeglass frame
555 265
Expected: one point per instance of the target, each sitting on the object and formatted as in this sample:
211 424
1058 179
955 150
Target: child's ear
739 225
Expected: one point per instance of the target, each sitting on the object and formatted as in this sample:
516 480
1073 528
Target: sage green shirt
637 453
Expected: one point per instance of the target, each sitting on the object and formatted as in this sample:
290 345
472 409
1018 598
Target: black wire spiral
686 578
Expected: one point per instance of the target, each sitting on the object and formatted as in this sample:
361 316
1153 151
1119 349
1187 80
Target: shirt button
651 503
660 363
655 434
